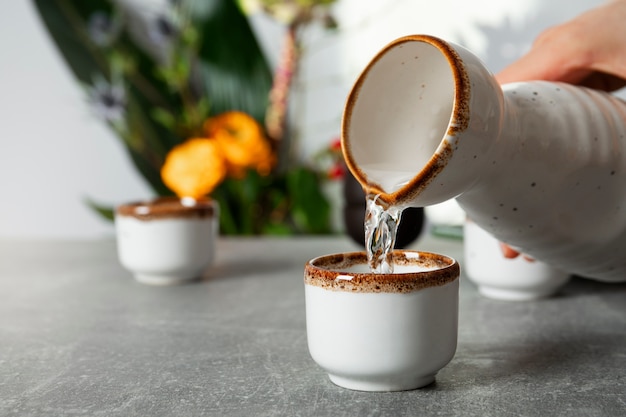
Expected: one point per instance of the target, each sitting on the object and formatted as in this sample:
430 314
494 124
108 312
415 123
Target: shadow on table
540 359
582 286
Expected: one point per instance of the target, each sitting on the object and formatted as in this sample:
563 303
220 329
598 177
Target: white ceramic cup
382 332
506 279
167 240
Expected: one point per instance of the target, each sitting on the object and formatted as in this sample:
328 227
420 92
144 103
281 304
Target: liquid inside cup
413 270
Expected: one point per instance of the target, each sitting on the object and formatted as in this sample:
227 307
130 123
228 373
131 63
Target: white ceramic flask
539 165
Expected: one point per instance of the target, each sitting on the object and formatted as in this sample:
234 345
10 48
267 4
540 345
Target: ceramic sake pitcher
539 165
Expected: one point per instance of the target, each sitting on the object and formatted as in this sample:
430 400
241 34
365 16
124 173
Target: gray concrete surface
78 336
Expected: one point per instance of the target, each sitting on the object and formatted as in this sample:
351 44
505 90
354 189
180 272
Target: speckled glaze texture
539 165
382 332
349 272
166 241
506 279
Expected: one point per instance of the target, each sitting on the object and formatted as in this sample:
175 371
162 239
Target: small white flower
162 30
108 100
102 29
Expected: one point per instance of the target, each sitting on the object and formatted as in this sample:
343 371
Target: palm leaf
147 142
235 73
65 21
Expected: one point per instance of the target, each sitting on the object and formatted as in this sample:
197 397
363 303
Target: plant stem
276 115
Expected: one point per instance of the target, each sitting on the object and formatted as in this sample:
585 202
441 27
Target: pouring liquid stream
381 225
382 220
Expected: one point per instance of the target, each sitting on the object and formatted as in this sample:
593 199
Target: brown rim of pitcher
459 121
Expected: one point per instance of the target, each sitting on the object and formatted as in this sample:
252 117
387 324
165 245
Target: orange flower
194 168
242 142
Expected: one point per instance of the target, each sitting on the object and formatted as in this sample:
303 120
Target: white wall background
53 153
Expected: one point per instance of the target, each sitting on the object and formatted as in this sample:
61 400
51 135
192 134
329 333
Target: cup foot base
362 385
515 295
149 279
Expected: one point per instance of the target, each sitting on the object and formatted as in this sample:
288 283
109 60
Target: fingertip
508 252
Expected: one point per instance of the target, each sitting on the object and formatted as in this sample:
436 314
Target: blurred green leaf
214 65
164 117
310 208
106 212
280 229
66 23
234 70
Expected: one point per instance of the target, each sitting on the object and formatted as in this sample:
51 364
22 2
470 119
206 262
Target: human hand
510 253
589 50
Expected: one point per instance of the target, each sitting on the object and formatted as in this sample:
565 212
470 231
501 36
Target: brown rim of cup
168 208
331 272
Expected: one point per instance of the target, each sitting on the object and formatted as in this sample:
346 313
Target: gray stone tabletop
78 336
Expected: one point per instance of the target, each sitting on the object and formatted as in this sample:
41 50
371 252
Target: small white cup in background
382 332
506 279
167 240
